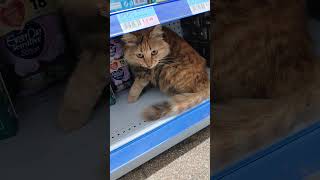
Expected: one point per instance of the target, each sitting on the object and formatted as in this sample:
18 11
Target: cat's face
146 48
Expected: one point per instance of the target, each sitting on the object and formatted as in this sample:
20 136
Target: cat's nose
149 65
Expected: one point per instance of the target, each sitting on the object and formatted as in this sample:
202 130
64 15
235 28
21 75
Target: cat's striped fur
160 57
87 34
264 74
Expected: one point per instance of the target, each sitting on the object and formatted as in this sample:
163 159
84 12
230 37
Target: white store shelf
135 141
126 121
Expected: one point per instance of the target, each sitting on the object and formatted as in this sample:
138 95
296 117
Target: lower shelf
134 141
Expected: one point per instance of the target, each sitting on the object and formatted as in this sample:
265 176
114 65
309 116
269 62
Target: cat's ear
130 39
156 32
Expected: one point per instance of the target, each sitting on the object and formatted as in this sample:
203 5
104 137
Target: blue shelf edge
179 9
151 140
139 7
265 152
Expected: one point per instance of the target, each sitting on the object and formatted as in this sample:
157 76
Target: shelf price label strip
139 19
199 6
145 17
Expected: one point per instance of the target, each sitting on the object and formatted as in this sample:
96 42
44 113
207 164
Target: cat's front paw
132 99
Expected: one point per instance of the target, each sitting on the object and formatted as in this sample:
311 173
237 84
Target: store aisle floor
189 159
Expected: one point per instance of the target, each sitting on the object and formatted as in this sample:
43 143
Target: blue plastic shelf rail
154 142
150 15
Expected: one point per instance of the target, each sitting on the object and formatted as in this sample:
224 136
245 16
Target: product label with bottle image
39 40
27 43
119 69
32 41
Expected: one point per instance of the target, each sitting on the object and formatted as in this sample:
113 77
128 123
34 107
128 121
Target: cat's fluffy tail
177 104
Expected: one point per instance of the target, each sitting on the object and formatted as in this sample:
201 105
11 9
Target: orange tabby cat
160 57
264 74
87 35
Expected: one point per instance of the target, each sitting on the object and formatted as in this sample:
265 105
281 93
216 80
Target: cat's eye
154 52
140 55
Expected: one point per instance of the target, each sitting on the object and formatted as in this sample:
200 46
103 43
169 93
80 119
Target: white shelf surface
126 120
128 130
41 151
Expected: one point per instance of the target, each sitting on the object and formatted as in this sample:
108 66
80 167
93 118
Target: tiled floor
189 159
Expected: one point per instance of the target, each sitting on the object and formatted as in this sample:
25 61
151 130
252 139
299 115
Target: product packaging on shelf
196 30
8 117
32 43
119 69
